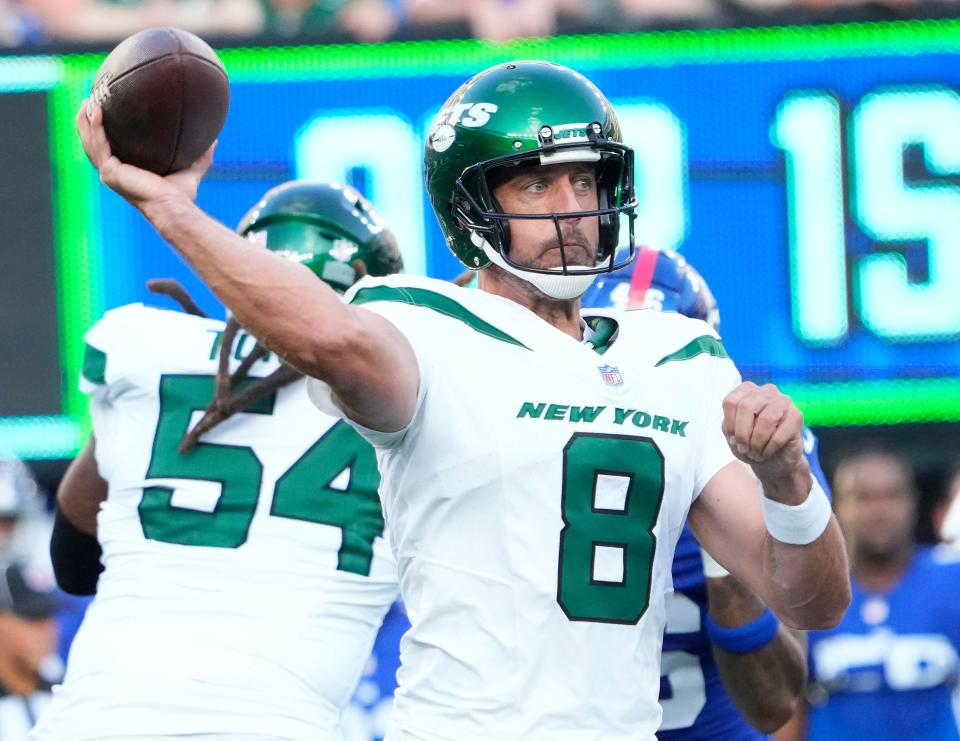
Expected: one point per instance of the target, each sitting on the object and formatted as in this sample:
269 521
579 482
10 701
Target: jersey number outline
587 526
303 492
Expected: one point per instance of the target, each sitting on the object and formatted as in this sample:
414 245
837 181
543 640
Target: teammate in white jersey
538 465
245 570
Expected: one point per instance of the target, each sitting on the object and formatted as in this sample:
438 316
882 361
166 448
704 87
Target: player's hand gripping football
135 185
765 430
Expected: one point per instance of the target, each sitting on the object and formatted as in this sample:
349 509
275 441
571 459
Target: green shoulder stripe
699 346
94 365
437 302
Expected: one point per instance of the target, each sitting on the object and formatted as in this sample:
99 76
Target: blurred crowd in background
37 620
31 24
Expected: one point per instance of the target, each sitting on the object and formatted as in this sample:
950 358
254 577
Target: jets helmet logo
471 115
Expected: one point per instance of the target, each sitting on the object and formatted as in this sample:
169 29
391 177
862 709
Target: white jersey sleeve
118 336
128 345
721 377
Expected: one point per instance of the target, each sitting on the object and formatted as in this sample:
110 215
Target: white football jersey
534 503
244 581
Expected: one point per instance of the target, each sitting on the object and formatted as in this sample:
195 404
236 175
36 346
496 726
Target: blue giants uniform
889 670
695 704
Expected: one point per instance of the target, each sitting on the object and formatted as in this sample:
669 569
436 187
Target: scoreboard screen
810 174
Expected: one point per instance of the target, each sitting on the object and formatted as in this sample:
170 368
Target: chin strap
560 286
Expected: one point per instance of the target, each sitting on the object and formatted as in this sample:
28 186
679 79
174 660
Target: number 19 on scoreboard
890 205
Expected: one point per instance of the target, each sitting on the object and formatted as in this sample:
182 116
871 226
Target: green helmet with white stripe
329 227
522 113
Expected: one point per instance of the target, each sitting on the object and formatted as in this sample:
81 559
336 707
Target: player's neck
880 573
564 315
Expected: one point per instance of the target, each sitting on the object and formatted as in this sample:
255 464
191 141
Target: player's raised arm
778 536
367 362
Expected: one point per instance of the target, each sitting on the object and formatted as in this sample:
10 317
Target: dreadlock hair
225 402
175 290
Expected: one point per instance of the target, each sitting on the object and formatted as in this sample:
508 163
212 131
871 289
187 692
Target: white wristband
711 569
798 524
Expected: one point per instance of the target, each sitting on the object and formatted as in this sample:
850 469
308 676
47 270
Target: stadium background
811 174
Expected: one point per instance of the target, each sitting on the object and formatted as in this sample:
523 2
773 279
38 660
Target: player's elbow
824 611
826 618
770 708
775 714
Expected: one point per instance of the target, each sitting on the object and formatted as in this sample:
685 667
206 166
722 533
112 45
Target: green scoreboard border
76 191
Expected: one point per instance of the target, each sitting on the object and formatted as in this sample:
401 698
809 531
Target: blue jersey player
889 670
759 665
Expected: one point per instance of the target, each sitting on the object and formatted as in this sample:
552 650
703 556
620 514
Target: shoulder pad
134 336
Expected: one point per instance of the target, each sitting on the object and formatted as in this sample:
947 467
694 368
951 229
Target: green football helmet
328 227
517 114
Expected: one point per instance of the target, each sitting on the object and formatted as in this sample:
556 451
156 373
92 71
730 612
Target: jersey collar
599 332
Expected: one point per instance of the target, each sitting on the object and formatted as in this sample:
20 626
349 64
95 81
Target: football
164 94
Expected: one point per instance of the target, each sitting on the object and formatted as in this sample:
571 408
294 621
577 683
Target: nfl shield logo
611 375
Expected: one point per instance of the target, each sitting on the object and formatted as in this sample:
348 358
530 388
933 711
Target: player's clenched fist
764 429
